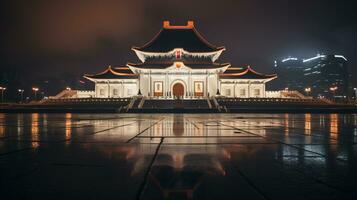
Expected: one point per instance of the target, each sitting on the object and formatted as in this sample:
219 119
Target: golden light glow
2 124
35 130
178 64
68 125
334 125
286 124
308 124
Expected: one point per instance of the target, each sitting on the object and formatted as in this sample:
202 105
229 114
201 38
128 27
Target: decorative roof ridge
109 69
122 67
249 69
235 68
204 40
166 25
188 26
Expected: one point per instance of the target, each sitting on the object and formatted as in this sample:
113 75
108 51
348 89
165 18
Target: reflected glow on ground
178 156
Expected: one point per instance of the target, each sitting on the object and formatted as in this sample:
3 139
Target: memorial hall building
178 62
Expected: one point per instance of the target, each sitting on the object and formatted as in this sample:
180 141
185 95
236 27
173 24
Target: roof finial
167 25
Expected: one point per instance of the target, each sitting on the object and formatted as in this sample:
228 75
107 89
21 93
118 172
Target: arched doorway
178 89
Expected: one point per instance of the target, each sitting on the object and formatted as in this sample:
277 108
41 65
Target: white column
234 89
149 84
207 76
166 85
108 89
122 89
190 84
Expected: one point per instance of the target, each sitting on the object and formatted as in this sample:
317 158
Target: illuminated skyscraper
324 75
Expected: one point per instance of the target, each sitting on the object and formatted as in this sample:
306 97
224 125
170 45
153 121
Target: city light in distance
340 56
287 59
313 58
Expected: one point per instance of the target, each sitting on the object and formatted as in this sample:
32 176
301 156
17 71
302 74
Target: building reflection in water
334 126
307 124
178 127
19 124
286 124
68 126
2 125
35 130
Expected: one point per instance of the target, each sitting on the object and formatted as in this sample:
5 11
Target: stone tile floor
178 156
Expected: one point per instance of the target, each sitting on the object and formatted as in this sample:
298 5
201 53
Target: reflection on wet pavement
178 156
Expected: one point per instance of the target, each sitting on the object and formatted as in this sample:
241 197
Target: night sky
45 40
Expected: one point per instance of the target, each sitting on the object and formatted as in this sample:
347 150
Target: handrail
209 103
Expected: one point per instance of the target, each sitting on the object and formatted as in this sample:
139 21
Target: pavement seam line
143 185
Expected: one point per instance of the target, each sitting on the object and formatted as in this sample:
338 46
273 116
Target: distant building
322 75
327 75
291 74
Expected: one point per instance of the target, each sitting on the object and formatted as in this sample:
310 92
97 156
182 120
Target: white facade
194 83
116 88
183 75
243 88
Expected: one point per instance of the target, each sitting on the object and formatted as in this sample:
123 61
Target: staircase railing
209 103
216 104
142 101
130 105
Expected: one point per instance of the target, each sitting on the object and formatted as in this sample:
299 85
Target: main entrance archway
178 89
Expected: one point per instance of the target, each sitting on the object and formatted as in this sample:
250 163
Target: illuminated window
256 92
130 92
242 92
101 91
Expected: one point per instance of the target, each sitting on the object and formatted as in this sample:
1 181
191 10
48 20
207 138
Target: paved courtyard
178 156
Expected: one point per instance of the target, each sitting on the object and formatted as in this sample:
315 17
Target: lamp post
308 90
21 91
2 93
35 89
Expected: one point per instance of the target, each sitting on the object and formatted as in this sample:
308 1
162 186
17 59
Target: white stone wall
234 88
84 94
124 88
273 94
228 87
257 90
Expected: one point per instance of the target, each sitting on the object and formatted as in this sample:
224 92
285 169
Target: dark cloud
48 38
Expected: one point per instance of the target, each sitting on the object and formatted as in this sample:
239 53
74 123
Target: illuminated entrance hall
178 90
178 156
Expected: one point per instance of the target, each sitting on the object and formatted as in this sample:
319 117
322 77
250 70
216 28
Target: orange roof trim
167 25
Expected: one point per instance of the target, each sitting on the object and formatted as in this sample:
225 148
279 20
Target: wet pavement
178 156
